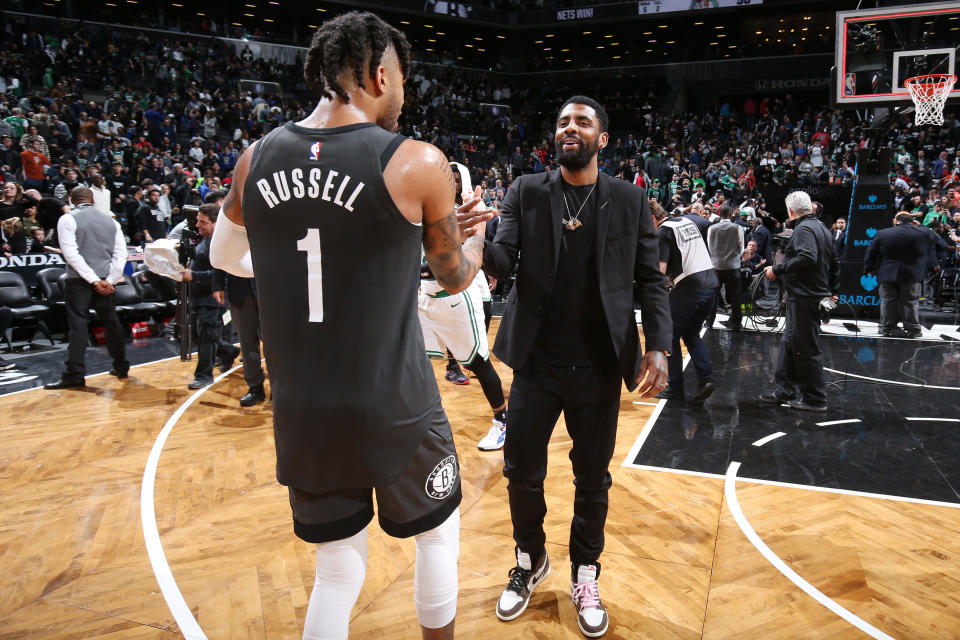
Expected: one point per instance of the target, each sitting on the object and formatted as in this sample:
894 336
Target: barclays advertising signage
871 232
871 209
858 290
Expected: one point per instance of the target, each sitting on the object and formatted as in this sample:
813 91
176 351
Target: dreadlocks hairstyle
346 42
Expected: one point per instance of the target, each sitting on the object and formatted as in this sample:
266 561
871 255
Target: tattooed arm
422 185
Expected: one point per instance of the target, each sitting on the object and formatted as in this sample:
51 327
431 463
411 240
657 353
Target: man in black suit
570 335
898 257
208 311
839 230
763 236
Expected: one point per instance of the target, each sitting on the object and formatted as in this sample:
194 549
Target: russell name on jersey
293 186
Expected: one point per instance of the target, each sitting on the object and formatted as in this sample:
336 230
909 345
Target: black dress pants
730 282
800 361
246 318
79 298
210 341
590 401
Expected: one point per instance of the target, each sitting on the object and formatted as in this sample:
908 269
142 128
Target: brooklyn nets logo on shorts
442 479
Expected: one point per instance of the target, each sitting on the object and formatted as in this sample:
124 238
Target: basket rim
916 79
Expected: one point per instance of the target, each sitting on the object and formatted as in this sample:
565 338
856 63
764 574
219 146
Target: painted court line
189 626
730 493
830 423
772 436
905 384
103 373
18 381
933 419
647 428
649 404
652 420
804 487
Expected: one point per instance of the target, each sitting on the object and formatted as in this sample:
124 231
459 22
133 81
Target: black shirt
49 211
811 268
574 329
118 185
150 218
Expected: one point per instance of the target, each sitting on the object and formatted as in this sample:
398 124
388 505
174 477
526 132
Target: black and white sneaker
6 365
523 580
591 614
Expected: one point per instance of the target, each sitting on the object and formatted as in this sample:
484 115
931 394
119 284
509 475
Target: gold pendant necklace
572 222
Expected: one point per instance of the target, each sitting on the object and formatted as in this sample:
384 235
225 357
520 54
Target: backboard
878 49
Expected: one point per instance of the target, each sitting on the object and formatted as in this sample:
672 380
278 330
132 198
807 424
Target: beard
578 158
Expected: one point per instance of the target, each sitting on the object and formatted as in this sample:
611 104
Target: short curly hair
346 42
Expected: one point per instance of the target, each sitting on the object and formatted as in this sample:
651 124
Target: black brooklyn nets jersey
337 271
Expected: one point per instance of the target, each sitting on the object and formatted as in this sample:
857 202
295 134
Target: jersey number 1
311 244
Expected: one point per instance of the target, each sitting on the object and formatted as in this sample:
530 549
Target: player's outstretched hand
653 367
472 213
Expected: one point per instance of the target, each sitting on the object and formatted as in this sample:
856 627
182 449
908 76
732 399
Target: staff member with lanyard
689 268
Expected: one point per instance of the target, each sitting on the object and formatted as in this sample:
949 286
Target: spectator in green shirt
18 122
935 215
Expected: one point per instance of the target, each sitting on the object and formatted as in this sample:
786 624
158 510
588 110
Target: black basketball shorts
423 497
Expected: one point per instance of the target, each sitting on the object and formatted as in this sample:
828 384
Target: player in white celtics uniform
456 323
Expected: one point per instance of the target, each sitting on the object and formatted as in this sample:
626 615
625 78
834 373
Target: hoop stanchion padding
929 95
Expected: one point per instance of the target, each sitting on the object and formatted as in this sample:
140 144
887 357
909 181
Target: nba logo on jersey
315 151
442 480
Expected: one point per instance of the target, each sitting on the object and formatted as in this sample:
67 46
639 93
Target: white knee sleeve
435 580
341 568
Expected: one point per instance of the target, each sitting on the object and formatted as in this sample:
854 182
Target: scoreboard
668 6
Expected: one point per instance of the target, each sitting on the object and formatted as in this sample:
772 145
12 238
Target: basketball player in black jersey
329 214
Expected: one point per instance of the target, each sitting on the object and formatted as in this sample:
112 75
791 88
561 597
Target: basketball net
929 95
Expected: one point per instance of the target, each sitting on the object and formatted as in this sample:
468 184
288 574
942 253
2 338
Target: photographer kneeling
810 273
207 311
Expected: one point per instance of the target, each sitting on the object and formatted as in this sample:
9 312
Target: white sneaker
591 614
495 437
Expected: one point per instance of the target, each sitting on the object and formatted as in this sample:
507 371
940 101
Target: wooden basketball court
676 565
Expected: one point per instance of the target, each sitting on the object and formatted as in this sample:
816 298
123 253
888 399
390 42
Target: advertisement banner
857 290
871 209
28 264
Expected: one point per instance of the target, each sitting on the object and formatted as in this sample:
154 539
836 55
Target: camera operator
208 311
241 295
810 275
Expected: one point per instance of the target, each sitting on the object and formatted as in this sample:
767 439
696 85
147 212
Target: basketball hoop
929 95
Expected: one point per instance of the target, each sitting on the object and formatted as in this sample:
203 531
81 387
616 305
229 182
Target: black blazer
840 240
899 253
626 250
201 290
